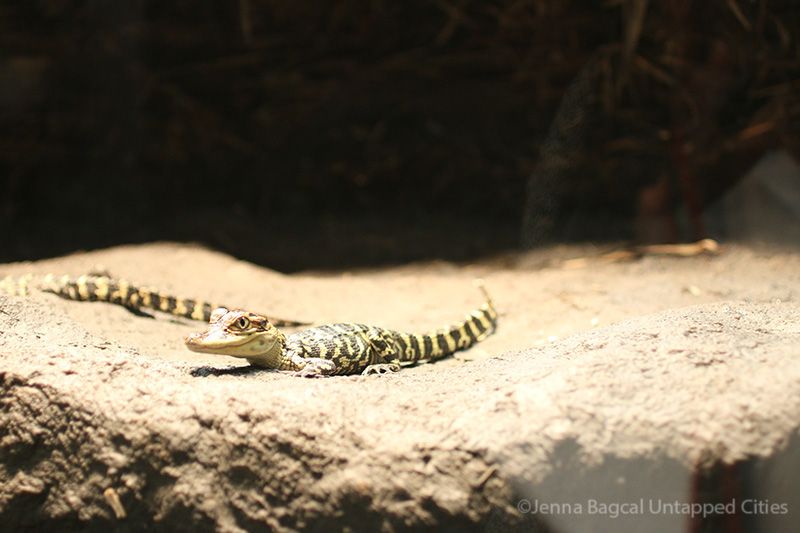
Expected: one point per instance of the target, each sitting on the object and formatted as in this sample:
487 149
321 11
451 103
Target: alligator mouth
200 342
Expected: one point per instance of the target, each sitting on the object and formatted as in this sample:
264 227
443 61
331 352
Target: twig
112 498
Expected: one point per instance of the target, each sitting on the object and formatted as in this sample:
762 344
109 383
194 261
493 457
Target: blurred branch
634 12
246 21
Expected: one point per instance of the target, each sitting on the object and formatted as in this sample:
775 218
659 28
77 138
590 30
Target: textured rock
106 419
633 409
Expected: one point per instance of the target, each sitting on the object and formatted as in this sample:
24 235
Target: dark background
346 133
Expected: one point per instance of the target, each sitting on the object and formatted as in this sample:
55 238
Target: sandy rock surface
615 381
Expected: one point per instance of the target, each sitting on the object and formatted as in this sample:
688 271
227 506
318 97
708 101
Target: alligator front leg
316 367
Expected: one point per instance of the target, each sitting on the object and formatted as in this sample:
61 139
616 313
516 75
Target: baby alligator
336 348
102 288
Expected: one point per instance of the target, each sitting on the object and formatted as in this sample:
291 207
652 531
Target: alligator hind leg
381 368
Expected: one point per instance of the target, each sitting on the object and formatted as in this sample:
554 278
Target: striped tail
93 288
433 345
118 291
21 286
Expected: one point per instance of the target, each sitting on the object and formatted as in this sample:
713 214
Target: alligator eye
243 322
